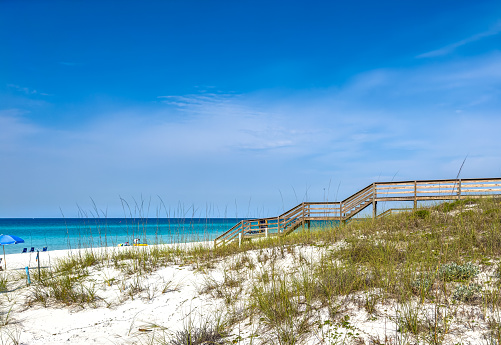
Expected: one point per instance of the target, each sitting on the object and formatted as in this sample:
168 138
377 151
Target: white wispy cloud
495 30
448 86
234 122
219 146
26 90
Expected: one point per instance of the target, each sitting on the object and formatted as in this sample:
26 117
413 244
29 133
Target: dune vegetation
430 276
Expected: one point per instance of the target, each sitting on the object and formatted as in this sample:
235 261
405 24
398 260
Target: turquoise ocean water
66 233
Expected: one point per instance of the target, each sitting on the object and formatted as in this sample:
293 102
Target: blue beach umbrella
9 239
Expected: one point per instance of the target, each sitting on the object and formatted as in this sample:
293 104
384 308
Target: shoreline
66 233
20 261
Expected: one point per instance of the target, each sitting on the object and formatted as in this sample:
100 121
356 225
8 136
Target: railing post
302 215
374 202
266 232
459 190
415 195
239 239
307 216
341 220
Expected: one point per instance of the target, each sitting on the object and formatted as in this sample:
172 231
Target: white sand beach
168 299
150 308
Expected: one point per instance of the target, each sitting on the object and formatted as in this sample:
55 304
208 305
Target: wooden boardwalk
304 213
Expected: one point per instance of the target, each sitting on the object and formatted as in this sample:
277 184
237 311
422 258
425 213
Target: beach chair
32 250
25 250
44 249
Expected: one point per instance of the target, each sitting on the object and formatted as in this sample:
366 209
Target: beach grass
426 275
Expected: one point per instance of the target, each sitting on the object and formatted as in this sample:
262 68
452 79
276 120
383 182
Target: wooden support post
239 239
374 202
308 225
266 232
340 211
415 195
459 190
303 220
341 216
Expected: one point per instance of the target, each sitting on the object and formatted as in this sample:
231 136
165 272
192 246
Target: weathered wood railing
302 214
357 202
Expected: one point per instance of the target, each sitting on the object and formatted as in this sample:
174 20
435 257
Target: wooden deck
304 213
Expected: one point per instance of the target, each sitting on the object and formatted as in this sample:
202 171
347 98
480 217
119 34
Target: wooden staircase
302 214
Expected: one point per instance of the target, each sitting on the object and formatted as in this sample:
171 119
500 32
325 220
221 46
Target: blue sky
240 108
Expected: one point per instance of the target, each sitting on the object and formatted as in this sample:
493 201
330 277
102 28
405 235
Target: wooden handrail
228 235
357 193
361 196
420 190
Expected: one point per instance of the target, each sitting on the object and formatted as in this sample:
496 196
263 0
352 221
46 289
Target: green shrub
455 272
446 207
466 293
422 284
422 214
